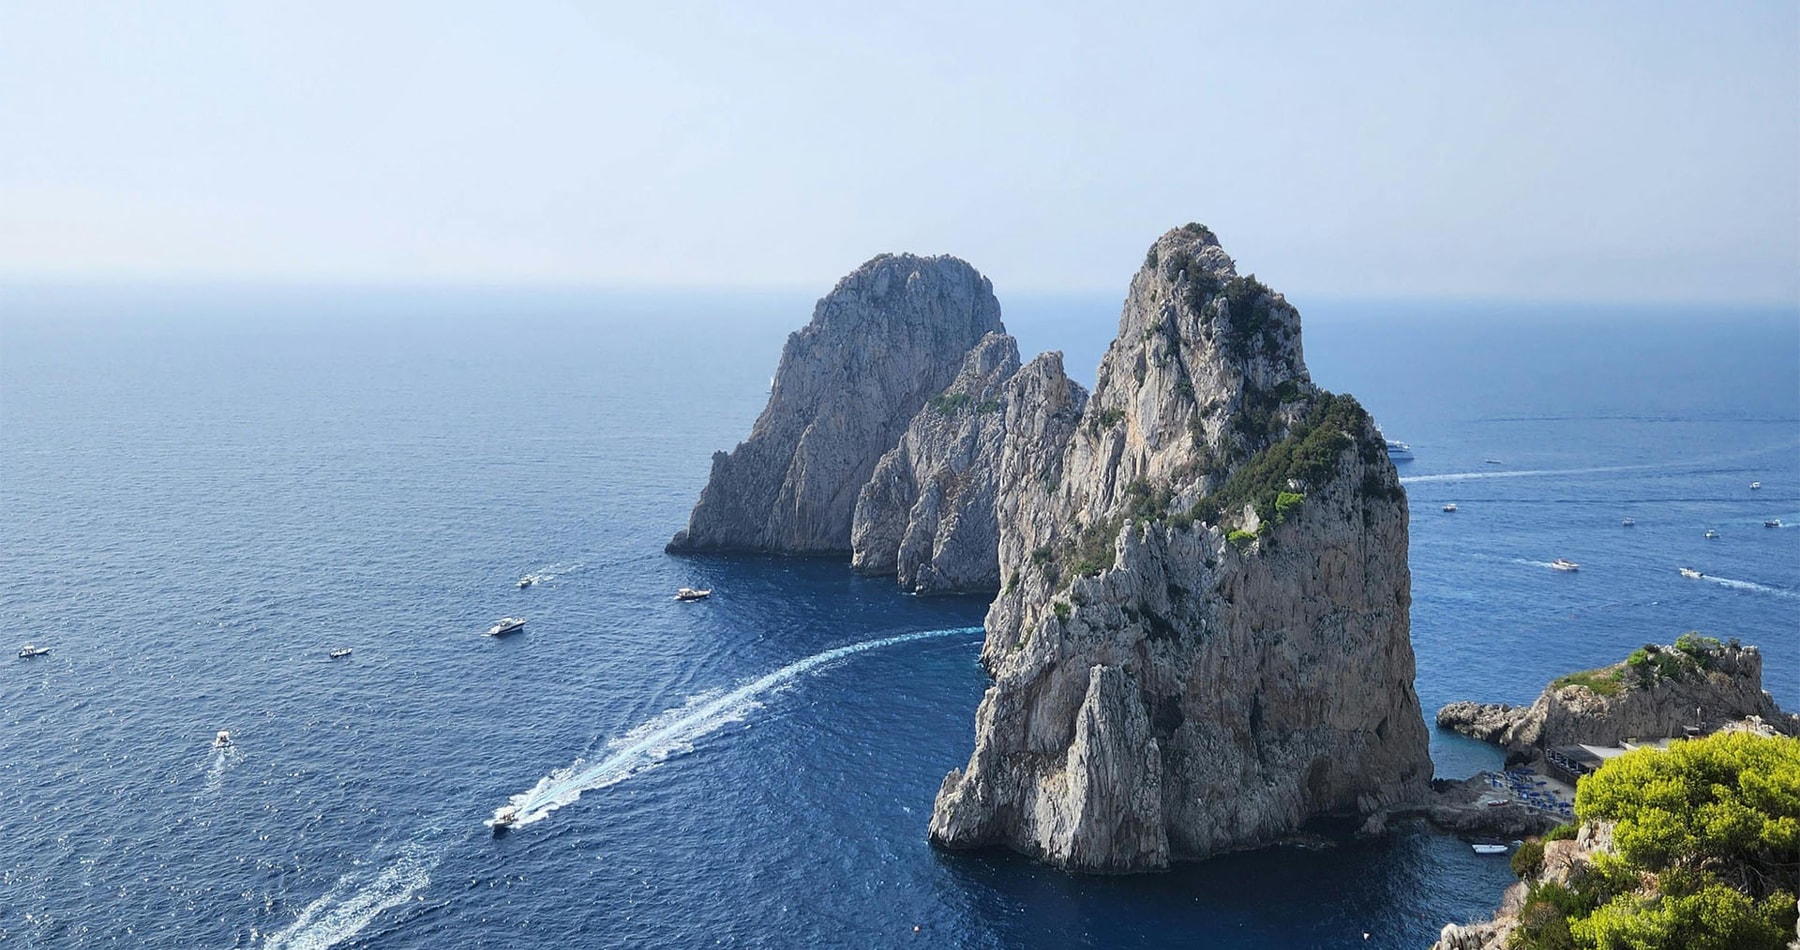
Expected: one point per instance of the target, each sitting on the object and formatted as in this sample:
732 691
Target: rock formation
890 336
927 513
1660 692
1201 639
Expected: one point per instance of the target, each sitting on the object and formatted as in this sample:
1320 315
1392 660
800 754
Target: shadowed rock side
891 335
1201 639
927 514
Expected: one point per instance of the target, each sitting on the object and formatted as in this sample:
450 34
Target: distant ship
505 626
1451 507
506 817
1772 523
1628 522
222 740
526 581
689 593
340 653
30 650
1690 572
1564 564
1398 451
1711 534
1755 485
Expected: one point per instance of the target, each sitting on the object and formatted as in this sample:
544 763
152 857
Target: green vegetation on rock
1706 845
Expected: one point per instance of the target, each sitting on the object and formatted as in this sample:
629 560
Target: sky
1638 151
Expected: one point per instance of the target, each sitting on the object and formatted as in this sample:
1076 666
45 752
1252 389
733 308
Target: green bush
947 403
1061 608
1529 859
1241 538
1563 832
1285 502
1606 681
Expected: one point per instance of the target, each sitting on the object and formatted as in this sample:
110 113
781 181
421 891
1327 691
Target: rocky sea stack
890 336
1202 635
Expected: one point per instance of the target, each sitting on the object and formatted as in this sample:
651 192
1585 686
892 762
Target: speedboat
1489 848
526 581
1628 522
1711 534
1564 564
222 740
1772 523
1690 572
340 653
505 817
689 593
505 626
1755 485
30 650
1451 507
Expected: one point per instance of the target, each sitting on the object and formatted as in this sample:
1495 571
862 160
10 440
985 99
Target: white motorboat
1628 522
1711 534
340 653
30 650
506 816
505 626
222 740
1451 507
526 581
1564 564
689 593
1755 485
1489 848
1690 572
1398 451
1772 523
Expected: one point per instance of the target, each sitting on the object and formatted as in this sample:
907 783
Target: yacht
1398 451
340 653
1451 507
1755 485
30 650
505 626
1564 564
1489 848
689 593
1711 534
1628 522
1772 523
1690 572
222 740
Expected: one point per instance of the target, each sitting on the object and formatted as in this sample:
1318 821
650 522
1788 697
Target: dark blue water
203 493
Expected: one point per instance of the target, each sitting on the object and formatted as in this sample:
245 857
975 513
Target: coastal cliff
1201 639
1660 691
927 513
890 336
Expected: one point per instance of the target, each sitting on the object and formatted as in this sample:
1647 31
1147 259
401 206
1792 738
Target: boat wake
1751 586
674 731
222 760
545 575
356 899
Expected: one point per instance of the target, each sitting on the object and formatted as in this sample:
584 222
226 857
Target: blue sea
204 490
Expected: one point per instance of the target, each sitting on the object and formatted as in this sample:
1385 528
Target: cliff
927 512
890 336
1661 691
1202 637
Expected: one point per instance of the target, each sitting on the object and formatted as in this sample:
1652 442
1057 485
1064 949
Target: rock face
1202 635
891 335
927 513
1669 689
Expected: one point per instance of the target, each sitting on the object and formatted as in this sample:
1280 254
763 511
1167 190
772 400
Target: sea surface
203 491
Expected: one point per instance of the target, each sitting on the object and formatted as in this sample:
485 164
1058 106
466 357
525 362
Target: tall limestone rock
1202 637
891 335
927 513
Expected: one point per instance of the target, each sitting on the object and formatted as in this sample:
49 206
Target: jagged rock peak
889 336
1230 541
927 513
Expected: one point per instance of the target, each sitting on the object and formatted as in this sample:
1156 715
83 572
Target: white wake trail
357 899
1750 586
674 731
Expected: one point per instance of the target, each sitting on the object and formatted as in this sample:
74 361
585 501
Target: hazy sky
1630 151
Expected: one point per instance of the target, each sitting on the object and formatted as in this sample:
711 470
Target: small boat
505 626
526 581
1711 534
1628 522
339 653
1564 564
30 650
1755 485
1492 462
1690 572
1451 507
1398 450
1772 523
222 740
1489 848
505 817
689 593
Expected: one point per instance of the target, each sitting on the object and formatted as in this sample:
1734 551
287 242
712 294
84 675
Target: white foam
354 901
1750 586
673 732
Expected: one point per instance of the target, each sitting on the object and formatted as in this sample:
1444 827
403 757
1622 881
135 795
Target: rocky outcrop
1202 638
890 336
927 513
1562 860
1661 691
